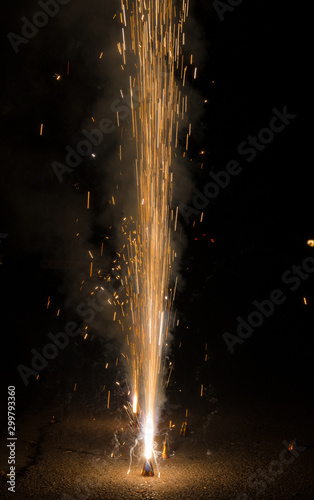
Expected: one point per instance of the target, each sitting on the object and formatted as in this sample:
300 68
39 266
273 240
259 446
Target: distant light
310 243
305 301
93 155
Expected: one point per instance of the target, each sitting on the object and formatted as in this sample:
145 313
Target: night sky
252 232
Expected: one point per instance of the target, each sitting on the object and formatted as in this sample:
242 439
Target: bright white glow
149 435
135 403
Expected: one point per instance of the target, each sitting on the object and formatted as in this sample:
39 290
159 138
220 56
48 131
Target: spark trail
152 41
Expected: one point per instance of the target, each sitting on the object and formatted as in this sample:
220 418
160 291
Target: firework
148 469
152 40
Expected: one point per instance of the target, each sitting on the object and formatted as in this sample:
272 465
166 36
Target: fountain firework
152 40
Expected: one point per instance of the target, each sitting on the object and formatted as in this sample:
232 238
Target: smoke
116 154
51 218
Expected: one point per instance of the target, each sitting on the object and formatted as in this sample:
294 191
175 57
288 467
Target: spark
152 34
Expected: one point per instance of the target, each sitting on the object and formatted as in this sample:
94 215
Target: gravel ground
232 452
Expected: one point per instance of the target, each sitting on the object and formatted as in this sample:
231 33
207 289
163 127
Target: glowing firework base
148 469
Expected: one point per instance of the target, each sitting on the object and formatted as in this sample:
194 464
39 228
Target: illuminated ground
69 456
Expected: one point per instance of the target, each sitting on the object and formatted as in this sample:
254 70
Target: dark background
248 64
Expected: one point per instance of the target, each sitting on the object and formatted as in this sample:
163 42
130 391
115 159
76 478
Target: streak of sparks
152 32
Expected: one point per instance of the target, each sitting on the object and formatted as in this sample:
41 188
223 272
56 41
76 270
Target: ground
235 450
